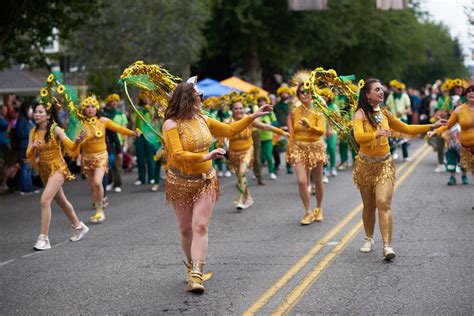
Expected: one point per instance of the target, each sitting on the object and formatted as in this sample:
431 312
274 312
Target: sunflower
458 83
93 120
44 92
361 83
98 134
60 89
50 78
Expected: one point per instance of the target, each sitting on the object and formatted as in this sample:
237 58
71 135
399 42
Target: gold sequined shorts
185 190
48 168
467 159
370 171
236 158
92 161
308 153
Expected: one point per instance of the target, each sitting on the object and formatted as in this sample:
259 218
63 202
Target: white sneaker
227 174
325 179
79 232
108 187
42 243
155 187
152 181
118 189
138 182
368 245
407 159
273 176
220 174
395 156
388 253
440 168
334 172
458 169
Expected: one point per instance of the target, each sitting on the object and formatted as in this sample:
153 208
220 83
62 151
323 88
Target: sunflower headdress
90 100
55 92
453 83
112 97
397 84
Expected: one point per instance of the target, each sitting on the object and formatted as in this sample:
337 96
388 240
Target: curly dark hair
181 105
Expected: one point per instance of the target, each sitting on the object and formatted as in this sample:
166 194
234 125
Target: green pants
266 154
145 162
331 149
343 148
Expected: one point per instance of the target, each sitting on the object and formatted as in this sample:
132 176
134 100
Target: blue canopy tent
213 88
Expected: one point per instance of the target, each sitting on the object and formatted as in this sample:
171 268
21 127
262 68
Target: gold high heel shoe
195 281
189 269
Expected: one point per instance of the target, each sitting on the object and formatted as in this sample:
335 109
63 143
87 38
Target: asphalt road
262 260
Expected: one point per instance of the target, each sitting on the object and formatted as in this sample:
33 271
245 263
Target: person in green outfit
144 149
266 139
120 118
281 113
331 134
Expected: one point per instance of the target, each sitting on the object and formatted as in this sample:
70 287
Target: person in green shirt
399 104
144 150
266 140
281 113
117 116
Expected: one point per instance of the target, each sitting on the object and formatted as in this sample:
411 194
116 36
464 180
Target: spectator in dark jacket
22 130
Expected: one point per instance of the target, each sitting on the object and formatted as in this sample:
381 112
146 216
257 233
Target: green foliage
165 32
27 26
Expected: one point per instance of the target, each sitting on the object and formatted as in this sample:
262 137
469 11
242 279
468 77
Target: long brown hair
364 101
54 118
181 106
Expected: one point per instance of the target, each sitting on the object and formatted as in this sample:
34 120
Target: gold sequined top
316 122
465 118
95 141
364 133
188 143
49 153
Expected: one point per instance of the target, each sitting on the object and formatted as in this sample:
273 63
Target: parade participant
95 164
281 113
331 135
120 118
47 140
191 183
241 153
399 104
374 169
464 115
144 149
266 140
307 152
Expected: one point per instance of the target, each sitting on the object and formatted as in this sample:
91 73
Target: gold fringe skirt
48 168
467 159
370 171
308 153
236 158
185 190
92 161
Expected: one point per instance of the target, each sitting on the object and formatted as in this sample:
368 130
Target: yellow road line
265 297
298 292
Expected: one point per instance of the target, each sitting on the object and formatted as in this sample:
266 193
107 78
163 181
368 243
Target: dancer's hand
263 110
438 123
304 122
431 134
82 136
383 132
217 153
287 134
37 143
138 132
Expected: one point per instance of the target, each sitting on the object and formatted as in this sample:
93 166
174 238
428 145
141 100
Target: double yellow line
297 293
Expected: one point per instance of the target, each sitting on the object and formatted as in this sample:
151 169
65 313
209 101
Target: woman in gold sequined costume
45 149
374 168
241 153
464 115
307 152
192 187
95 160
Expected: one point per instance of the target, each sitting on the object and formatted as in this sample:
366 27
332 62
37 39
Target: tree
165 32
26 27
